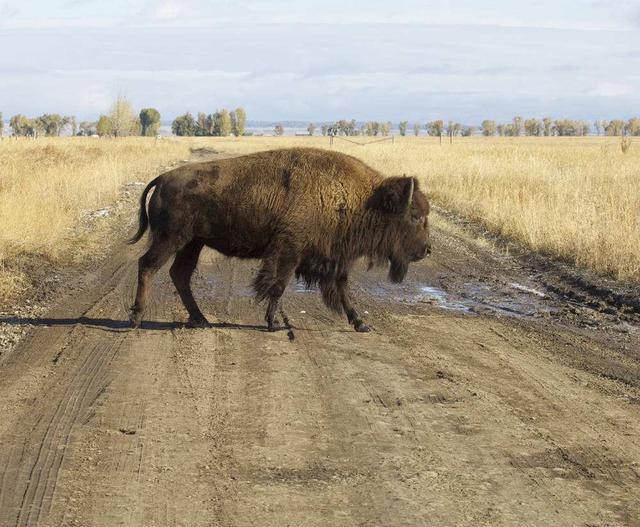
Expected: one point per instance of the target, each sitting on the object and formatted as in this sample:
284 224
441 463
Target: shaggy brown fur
302 210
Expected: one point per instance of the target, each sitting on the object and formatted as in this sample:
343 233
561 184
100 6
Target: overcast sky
324 59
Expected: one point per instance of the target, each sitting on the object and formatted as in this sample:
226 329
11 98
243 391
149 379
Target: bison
301 210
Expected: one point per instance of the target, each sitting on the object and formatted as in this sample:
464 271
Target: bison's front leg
272 280
342 284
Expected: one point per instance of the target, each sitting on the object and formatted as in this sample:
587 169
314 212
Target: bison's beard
398 270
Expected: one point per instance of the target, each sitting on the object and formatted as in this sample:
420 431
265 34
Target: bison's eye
417 220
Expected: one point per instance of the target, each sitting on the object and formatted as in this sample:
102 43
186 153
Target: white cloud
164 10
8 10
301 70
611 89
8 14
565 15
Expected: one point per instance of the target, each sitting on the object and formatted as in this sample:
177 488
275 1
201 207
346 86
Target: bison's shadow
110 324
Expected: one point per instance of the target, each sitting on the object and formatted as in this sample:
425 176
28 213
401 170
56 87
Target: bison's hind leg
158 254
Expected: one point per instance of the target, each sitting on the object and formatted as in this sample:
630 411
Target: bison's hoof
135 319
361 327
198 323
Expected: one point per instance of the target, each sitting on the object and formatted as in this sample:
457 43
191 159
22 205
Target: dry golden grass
577 199
47 185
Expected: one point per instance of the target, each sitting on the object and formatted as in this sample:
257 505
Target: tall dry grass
47 185
577 199
574 198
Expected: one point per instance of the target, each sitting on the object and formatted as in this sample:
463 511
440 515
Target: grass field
47 185
576 198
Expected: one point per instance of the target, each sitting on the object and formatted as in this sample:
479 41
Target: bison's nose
423 253
426 250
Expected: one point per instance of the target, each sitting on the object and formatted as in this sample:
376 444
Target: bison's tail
143 218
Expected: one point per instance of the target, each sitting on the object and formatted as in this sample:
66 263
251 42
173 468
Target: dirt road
480 399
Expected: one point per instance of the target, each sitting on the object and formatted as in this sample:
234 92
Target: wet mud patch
509 299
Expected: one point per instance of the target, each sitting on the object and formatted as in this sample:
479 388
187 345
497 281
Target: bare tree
73 123
533 127
453 129
586 128
435 128
518 125
615 127
372 128
238 121
225 122
596 125
488 128
202 125
103 126
123 121
603 126
633 126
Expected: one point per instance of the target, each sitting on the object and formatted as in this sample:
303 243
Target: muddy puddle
509 299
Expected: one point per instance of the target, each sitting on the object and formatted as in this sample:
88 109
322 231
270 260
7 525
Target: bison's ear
393 195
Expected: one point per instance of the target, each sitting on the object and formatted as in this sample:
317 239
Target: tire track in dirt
147 450
41 438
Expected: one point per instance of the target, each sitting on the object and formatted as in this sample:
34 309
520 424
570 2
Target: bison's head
405 212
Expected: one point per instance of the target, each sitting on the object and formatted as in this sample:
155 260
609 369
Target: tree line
220 123
120 121
561 127
384 128
351 128
518 127
49 124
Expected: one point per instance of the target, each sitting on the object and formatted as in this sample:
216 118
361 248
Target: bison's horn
410 199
